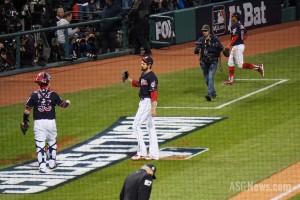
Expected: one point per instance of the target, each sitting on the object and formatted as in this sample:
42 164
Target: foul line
287 192
235 100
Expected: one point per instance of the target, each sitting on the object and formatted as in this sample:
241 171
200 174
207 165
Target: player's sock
250 66
231 73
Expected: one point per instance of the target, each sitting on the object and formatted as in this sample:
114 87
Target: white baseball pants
144 115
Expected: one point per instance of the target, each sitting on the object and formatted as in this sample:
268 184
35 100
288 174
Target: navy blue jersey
148 82
239 30
43 102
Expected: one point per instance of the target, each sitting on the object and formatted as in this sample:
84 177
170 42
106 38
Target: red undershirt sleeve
154 95
233 39
135 83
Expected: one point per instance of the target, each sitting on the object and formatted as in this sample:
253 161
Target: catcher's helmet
237 15
205 27
43 78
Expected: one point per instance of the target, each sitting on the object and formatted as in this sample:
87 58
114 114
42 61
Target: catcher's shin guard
52 149
40 152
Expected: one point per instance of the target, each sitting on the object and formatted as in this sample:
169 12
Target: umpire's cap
148 60
205 27
153 168
237 15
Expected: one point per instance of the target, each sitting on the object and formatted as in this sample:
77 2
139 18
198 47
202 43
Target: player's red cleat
137 157
228 83
261 70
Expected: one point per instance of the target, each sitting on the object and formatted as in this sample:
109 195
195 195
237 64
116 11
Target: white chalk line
235 100
278 197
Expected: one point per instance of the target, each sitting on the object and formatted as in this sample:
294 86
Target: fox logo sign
163 29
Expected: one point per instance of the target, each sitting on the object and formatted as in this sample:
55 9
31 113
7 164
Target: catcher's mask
43 78
237 15
206 27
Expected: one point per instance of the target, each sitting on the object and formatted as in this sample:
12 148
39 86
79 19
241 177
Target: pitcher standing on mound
147 111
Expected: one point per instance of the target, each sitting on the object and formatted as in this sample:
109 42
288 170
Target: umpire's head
150 169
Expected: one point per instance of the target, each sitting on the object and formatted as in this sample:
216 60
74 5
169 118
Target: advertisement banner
254 14
162 28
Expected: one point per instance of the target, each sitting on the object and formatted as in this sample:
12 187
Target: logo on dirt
219 20
110 147
252 15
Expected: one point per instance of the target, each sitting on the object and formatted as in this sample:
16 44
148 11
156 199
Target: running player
147 111
238 35
43 102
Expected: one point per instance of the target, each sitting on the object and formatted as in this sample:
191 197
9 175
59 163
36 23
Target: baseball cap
237 15
153 168
205 27
148 60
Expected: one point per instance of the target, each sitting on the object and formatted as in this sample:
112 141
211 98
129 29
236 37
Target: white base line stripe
278 197
235 100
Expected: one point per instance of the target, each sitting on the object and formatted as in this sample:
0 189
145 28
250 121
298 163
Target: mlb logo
218 20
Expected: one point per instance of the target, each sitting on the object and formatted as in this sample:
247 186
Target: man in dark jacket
110 29
138 185
209 48
139 17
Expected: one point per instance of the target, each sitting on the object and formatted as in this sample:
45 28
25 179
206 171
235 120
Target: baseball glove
24 127
226 52
125 75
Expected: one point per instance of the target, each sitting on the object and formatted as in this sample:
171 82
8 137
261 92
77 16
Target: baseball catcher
125 75
43 102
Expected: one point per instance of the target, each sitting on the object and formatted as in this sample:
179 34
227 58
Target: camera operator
5 63
40 59
92 45
27 51
55 52
209 47
34 12
81 46
9 21
109 29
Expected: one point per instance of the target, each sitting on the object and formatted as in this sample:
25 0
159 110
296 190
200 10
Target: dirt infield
16 89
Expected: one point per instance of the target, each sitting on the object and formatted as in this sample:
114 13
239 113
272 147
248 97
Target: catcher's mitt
24 127
226 52
125 75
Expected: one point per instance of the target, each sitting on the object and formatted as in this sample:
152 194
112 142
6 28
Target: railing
18 35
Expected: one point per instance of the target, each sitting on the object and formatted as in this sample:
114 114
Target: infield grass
259 137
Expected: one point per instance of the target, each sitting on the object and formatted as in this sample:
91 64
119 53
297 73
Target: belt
142 98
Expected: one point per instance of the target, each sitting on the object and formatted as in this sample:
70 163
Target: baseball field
242 145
